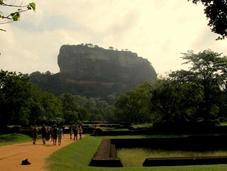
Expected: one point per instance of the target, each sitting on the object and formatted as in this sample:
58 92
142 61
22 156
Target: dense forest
186 98
23 103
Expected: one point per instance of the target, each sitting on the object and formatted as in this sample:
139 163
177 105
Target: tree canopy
216 12
133 106
175 104
209 71
195 95
23 103
186 98
14 95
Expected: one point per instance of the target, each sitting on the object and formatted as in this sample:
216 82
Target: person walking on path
51 134
80 131
48 135
59 134
55 130
75 132
34 135
71 132
43 134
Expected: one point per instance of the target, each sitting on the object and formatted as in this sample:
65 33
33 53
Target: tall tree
209 71
23 103
133 106
14 97
70 108
175 103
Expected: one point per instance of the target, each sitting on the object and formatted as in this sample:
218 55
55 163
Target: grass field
7 139
76 157
132 157
139 126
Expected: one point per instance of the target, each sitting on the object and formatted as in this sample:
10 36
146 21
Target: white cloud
159 30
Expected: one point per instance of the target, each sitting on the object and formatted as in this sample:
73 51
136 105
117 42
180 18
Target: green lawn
223 123
77 156
6 139
132 157
145 125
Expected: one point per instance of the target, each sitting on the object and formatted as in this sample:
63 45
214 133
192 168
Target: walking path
12 155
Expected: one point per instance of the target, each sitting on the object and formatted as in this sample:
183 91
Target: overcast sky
158 30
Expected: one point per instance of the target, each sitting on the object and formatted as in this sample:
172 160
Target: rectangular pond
135 157
190 150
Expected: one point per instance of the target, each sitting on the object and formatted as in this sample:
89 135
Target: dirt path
11 155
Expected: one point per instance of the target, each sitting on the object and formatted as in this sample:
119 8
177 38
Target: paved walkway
11 155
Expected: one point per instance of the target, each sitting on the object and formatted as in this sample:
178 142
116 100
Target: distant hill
94 71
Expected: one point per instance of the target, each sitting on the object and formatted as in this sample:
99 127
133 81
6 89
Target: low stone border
106 155
187 143
180 161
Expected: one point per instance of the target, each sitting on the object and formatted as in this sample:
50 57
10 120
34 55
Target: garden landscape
113 85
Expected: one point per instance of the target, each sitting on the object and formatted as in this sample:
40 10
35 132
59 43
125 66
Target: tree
133 106
14 11
70 108
82 108
174 103
43 107
194 97
105 110
14 97
216 12
23 103
223 106
209 71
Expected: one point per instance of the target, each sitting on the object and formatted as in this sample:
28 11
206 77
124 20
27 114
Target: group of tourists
53 134
75 131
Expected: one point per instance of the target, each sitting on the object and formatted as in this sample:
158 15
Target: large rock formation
93 71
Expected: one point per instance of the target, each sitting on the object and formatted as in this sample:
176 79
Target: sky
158 30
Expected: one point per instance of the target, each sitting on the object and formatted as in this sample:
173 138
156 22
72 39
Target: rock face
93 71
